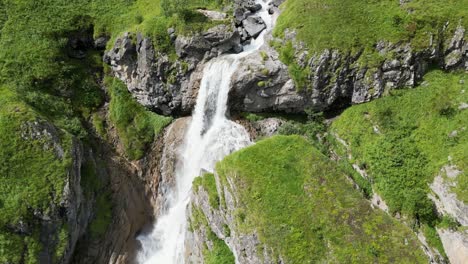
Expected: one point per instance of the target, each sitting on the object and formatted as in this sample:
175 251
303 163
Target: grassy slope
346 25
301 206
31 178
414 141
135 125
358 25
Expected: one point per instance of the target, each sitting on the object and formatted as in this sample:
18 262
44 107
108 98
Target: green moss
208 183
62 242
103 216
253 117
301 206
15 248
433 239
136 126
414 141
99 125
220 252
26 188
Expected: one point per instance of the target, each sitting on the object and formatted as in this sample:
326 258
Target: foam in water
210 137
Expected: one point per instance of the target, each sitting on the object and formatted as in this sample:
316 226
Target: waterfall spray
210 137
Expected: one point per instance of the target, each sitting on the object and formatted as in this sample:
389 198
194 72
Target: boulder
101 42
254 25
213 15
223 38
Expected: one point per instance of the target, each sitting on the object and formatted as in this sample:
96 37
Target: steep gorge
117 176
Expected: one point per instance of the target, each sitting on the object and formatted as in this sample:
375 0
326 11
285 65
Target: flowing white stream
210 137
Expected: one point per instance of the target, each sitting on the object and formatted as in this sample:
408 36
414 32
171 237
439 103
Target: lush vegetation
404 140
220 252
302 207
135 125
348 25
32 176
354 26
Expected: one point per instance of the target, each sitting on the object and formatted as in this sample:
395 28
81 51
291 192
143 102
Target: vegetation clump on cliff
304 210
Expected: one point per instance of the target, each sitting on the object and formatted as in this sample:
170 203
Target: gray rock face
153 80
455 245
164 86
254 25
213 15
171 143
250 26
263 84
446 201
333 79
268 127
245 246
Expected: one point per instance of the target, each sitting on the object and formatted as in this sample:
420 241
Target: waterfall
209 138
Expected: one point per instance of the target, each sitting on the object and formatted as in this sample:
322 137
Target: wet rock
254 25
277 3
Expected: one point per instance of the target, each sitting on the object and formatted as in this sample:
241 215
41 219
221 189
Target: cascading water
210 137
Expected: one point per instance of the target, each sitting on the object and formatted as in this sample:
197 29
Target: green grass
301 206
352 26
136 126
220 252
32 177
208 183
414 141
34 37
347 25
24 187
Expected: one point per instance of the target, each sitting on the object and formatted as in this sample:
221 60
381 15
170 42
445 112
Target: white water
210 137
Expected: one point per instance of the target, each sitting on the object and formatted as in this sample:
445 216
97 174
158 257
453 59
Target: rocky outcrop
455 245
138 192
248 24
246 248
253 26
333 79
154 80
170 148
168 87
73 212
445 200
262 83
211 43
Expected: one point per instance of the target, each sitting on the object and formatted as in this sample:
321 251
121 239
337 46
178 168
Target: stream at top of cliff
210 137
